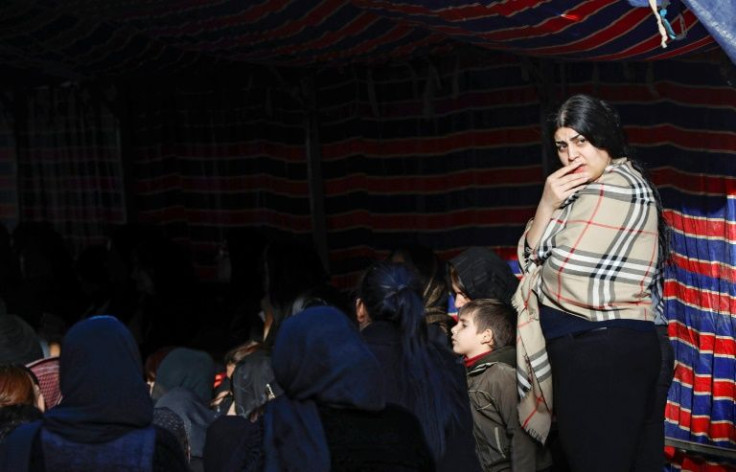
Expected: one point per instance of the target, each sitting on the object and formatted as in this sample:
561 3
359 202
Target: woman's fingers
575 179
564 170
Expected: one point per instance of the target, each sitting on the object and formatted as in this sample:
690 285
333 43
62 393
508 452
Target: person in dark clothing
12 416
293 277
478 272
105 419
184 385
483 336
432 276
188 368
166 418
420 375
19 342
333 414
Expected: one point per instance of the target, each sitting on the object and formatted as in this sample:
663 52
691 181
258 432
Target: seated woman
104 421
333 413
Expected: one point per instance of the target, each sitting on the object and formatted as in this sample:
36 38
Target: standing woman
592 260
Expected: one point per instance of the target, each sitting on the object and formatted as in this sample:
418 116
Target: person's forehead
563 134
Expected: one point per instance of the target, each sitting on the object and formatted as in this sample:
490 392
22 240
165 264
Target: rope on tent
660 23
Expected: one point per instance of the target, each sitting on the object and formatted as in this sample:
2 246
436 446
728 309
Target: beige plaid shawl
596 259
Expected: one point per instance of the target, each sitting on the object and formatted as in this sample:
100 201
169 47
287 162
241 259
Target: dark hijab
195 415
188 368
104 394
318 358
19 343
483 274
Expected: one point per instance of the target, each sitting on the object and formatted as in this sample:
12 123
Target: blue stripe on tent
712 206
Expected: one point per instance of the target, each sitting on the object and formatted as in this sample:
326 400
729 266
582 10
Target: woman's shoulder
623 173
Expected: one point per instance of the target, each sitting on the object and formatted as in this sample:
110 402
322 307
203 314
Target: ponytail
391 292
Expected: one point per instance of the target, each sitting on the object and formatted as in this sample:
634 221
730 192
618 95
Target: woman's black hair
392 292
601 125
594 119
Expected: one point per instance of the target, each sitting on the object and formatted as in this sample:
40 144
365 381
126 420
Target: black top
389 440
557 323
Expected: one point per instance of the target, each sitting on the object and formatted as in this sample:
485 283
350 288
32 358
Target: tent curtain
69 171
208 159
8 174
444 154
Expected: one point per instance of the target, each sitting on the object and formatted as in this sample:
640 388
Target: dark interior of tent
359 126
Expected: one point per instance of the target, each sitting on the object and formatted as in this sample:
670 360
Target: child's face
465 340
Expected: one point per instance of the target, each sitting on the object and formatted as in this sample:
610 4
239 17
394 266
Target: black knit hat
484 274
19 343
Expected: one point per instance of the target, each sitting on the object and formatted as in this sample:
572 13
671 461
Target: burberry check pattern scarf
596 259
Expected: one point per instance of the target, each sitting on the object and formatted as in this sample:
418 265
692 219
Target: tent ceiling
76 39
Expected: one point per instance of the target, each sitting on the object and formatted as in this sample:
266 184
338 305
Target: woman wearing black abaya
104 421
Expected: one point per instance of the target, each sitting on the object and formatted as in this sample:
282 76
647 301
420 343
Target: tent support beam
314 172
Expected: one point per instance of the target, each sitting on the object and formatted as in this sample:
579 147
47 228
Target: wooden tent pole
314 171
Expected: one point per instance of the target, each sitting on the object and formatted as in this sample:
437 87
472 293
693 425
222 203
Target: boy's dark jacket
500 441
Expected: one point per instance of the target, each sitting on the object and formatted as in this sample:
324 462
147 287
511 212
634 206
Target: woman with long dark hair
420 375
592 261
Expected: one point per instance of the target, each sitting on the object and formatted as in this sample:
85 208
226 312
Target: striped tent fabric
141 37
8 173
206 160
69 168
444 154
192 116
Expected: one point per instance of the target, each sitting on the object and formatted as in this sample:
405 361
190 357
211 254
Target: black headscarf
187 368
19 343
318 358
104 394
194 413
485 275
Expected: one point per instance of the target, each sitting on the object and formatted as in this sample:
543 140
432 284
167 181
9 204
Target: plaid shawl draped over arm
596 259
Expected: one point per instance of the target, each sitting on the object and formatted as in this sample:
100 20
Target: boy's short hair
494 315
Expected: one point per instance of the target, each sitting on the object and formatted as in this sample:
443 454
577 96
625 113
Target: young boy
484 335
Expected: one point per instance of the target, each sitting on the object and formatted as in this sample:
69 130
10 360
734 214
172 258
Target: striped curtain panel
205 160
444 154
69 164
8 175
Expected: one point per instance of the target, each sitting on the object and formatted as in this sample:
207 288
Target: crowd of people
116 361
